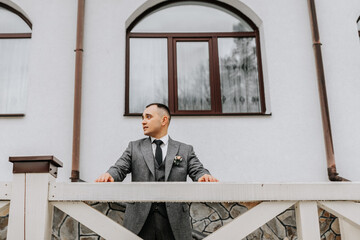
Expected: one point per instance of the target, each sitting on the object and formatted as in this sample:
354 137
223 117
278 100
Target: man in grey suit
158 158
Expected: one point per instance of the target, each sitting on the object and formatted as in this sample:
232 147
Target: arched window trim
163 4
22 16
15 36
210 35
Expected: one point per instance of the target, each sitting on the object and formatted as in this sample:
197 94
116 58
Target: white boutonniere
177 160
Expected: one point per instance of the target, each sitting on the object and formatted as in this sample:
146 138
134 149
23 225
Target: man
158 158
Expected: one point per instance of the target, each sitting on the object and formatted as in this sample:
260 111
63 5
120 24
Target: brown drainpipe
333 175
75 173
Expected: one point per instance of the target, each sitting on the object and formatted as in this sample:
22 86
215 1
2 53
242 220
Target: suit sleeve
122 166
195 167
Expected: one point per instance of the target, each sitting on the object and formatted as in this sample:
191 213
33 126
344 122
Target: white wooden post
38 211
16 225
30 215
307 220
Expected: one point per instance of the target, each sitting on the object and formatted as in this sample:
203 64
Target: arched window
15 34
198 58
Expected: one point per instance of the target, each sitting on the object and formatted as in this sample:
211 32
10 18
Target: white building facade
283 143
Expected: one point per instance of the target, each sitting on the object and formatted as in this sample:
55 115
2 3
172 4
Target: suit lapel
148 155
171 153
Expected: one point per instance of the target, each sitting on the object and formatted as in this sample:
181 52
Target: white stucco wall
285 147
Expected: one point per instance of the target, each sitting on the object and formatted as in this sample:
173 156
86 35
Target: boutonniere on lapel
177 160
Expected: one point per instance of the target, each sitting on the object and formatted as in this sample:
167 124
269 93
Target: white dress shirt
163 146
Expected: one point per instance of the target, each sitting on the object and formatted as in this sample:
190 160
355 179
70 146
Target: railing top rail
203 192
5 191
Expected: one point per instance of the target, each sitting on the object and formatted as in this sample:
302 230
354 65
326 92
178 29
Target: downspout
329 146
75 173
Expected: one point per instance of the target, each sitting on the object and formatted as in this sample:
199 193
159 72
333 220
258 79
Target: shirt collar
164 139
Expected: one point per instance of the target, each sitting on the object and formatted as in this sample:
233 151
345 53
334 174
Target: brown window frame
212 38
15 36
357 23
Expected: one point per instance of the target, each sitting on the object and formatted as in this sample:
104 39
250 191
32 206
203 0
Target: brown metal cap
36 164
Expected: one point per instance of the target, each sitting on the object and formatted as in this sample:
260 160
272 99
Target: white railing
33 195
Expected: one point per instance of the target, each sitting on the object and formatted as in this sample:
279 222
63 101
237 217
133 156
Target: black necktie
158 151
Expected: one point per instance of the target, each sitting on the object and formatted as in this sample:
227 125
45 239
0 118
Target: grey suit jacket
138 159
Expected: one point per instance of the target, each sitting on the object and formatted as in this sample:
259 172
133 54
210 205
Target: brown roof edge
329 146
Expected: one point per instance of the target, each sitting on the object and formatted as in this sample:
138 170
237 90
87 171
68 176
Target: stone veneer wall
4 219
205 218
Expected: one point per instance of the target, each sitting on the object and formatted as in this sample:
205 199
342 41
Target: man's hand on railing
106 177
207 178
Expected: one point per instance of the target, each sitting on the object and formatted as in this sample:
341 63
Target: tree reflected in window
15 34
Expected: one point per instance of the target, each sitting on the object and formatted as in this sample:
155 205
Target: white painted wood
307 220
4 205
96 221
348 231
203 192
5 190
347 210
16 225
250 220
38 210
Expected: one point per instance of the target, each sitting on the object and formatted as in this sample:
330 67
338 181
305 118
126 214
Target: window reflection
238 75
148 72
193 76
14 60
13 74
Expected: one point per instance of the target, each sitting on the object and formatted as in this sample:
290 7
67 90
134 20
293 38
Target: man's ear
164 120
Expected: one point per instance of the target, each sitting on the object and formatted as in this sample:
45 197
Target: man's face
151 121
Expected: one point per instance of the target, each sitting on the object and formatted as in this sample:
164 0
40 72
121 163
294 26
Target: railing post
30 215
16 223
307 220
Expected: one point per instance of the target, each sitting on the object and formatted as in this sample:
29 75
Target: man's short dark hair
162 106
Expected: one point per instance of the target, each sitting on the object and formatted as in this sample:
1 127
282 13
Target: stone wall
4 218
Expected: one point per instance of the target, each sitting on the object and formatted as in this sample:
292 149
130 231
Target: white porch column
16 225
30 215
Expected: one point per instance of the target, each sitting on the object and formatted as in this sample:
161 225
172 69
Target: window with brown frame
15 34
198 58
358 25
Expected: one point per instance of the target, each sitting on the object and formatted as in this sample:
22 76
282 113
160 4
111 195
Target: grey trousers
157 226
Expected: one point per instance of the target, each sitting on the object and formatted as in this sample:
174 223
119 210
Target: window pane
13 74
239 75
12 23
358 25
193 76
148 73
193 17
